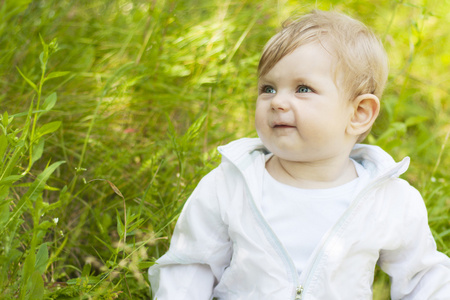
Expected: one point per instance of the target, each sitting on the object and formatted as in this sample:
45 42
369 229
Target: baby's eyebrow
264 80
303 80
306 79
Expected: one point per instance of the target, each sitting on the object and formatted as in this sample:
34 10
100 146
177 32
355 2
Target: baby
305 212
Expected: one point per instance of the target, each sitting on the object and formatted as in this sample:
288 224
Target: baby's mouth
282 126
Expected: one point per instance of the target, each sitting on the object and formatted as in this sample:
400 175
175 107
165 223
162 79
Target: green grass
98 161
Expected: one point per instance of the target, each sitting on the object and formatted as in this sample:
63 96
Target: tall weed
24 211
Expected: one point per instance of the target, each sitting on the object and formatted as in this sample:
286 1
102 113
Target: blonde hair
361 61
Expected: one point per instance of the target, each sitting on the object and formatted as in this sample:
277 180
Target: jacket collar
243 152
378 162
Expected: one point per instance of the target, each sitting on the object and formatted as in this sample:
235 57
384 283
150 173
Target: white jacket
222 234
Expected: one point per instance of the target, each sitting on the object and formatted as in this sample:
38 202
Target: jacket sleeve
417 270
199 251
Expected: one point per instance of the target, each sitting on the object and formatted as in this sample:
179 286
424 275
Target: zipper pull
299 293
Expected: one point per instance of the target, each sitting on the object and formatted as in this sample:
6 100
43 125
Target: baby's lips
281 124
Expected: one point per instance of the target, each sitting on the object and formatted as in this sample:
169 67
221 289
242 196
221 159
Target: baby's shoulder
399 186
223 178
401 194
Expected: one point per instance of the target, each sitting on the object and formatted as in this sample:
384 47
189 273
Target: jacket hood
375 160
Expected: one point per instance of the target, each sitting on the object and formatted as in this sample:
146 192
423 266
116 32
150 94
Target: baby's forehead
276 50
312 54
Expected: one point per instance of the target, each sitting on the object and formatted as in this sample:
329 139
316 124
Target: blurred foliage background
149 90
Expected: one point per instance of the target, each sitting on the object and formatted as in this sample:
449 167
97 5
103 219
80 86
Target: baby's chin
296 155
285 154
286 150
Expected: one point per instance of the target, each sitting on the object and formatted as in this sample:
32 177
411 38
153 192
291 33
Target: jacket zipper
299 292
273 239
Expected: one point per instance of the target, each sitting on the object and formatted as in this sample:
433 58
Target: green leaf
35 190
28 270
48 128
28 184
26 126
145 264
4 192
120 226
49 102
41 259
10 179
37 287
5 119
135 225
28 80
45 225
3 147
43 58
4 212
51 207
86 270
37 151
53 46
44 44
38 185
14 158
55 75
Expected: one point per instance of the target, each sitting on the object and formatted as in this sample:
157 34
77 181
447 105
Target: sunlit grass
153 87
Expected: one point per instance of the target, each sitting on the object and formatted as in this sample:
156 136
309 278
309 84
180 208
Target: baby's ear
365 111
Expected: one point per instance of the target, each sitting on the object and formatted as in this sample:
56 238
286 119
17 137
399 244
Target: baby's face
300 115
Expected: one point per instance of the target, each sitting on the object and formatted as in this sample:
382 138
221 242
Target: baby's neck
316 175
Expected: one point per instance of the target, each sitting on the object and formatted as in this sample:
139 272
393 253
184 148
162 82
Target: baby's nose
279 102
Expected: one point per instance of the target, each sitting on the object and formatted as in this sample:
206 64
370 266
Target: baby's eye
267 89
303 89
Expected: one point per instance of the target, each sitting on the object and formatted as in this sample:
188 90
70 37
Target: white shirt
301 217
